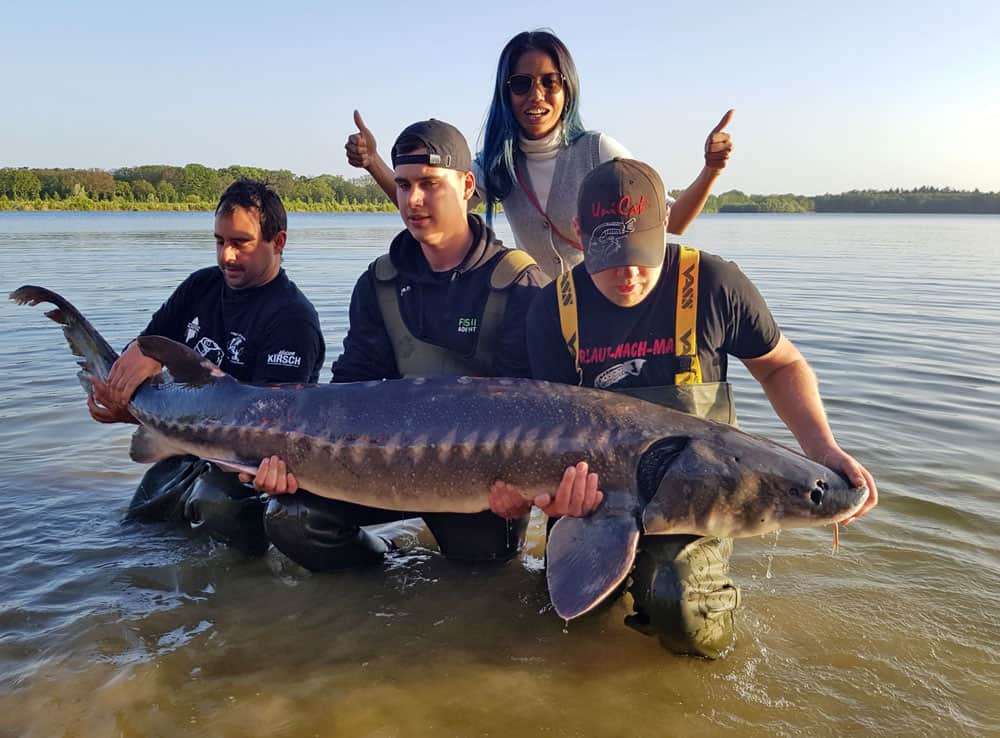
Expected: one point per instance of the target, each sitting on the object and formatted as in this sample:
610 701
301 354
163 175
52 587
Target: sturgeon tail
84 341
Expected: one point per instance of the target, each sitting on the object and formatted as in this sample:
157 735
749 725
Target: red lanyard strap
534 201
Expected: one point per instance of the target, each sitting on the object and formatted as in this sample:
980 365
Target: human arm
363 153
791 387
511 355
718 147
577 496
367 351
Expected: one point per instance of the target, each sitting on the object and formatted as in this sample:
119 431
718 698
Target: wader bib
323 535
417 358
680 586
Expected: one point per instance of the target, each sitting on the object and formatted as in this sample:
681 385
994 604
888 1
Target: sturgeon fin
185 365
673 508
149 446
587 558
83 339
231 465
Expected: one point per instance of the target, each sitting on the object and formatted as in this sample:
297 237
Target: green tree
166 192
142 190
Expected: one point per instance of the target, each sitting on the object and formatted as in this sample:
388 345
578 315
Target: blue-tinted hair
499 139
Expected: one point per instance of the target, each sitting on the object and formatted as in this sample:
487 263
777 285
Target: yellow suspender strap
685 334
566 294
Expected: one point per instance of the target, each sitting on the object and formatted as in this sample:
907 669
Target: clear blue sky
853 95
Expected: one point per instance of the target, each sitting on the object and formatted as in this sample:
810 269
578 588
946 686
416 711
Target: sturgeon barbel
438 444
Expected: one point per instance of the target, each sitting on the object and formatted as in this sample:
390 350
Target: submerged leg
186 489
683 595
324 535
477 537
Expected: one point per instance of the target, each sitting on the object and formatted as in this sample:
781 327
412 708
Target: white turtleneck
540 160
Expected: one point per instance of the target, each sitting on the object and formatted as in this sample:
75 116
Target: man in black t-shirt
659 322
249 319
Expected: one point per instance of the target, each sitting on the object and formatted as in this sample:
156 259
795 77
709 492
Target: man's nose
229 254
629 272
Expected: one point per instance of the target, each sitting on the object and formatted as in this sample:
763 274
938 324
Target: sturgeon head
731 484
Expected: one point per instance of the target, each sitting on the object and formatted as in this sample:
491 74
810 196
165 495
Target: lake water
121 630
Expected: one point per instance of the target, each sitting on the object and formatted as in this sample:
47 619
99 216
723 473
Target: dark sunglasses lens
520 84
552 82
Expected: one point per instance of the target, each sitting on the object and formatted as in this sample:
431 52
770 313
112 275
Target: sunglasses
522 84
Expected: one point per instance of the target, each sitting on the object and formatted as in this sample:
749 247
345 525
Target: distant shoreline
194 187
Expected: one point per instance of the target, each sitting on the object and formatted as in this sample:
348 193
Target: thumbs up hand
360 146
718 145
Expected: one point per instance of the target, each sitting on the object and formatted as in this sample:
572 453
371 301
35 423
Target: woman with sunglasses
536 152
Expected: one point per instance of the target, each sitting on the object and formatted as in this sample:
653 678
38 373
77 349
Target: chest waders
186 490
324 535
419 358
680 586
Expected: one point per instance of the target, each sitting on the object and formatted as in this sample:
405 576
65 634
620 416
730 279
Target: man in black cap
659 322
448 299
247 317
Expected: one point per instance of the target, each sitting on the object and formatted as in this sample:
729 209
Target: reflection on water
113 629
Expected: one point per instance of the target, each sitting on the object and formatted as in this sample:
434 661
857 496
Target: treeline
197 187
921 200
191 187
735 201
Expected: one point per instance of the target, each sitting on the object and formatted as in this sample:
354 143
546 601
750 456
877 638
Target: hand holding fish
838 459
103 408
130 370
273 478
577 496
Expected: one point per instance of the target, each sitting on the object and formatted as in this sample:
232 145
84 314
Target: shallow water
112 629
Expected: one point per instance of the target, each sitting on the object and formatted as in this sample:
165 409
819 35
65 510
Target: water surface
112 629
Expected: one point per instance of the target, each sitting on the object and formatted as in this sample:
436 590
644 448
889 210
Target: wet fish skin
438 444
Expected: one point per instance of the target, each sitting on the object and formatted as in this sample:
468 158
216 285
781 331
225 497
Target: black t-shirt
263 335
622 348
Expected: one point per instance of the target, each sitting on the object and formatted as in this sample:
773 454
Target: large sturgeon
437 445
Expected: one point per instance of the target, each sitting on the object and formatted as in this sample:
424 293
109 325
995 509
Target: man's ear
469 186
279 241
576 228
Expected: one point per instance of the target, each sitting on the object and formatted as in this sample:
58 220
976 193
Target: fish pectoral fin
587 558
234 465
185 365
149 446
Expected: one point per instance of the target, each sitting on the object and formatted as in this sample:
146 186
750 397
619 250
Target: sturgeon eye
816 496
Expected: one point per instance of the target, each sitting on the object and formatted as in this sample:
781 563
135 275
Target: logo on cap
606 240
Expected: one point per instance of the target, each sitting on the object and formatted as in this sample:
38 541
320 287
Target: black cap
445 144
622 212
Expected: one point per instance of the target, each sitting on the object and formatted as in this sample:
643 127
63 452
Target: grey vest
531 231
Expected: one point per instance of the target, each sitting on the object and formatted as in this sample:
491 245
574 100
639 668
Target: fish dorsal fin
185 365
587 558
